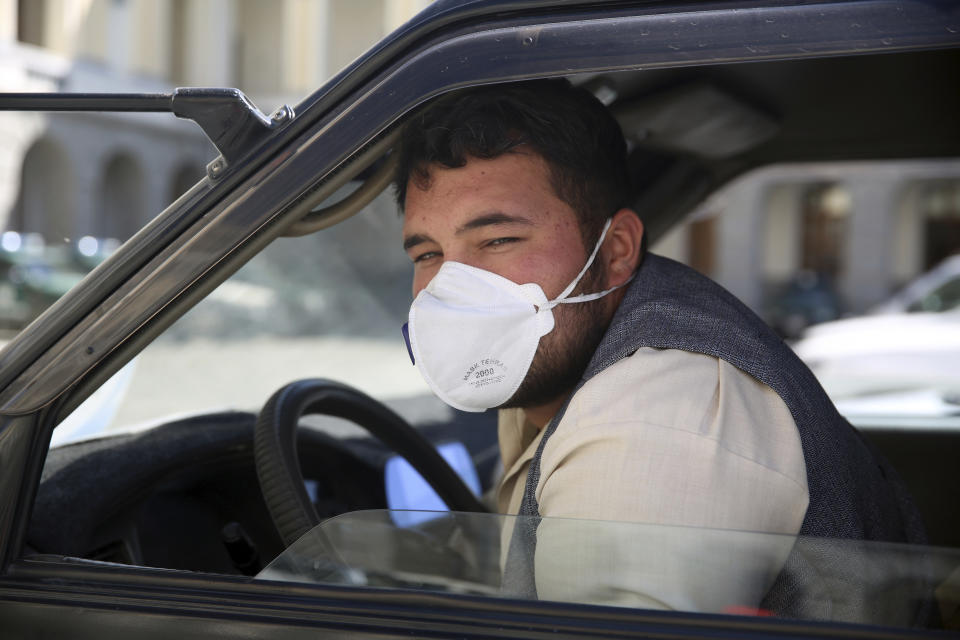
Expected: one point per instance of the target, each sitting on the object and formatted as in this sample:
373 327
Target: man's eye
426 256
501 241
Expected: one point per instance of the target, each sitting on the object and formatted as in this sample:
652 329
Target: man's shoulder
652 382
687 396
652 366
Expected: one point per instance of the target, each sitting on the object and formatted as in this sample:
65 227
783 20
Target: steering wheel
278 468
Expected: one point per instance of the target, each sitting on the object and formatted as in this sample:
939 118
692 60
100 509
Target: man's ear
621 247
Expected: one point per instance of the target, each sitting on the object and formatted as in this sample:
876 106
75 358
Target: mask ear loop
587 297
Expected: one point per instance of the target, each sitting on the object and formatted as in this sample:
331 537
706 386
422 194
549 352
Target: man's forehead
511 189
503 177
424 177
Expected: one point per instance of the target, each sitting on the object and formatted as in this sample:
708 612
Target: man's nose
455 254
423 278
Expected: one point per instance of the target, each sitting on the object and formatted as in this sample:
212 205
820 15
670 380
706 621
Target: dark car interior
185 495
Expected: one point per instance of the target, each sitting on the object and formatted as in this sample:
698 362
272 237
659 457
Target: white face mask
473 334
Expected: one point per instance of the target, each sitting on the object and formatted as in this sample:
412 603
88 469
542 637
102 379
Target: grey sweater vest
854 494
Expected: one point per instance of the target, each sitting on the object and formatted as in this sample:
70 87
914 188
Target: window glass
629 564
77 186
943 298
325 305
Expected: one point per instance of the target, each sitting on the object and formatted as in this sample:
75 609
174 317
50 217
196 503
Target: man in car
630 387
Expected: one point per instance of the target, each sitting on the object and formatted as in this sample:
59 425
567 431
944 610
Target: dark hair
572 130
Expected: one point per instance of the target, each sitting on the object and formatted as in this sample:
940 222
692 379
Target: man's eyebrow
411 241
491 219
480 221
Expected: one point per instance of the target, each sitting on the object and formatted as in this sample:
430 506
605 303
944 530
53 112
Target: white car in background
936 290
902 358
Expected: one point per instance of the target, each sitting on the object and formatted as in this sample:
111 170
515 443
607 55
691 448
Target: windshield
627 564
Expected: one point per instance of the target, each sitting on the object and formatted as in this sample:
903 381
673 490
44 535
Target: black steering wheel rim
278 468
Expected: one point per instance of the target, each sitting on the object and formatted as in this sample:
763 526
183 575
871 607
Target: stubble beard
563 354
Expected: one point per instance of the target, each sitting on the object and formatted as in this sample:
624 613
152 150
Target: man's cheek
535 269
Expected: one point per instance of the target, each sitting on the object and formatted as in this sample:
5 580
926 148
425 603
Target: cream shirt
663 437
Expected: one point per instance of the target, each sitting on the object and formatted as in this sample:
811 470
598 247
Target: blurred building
862 229
835 238
64 176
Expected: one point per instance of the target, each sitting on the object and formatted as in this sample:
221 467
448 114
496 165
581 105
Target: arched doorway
805 241
120 194
46 190
826 217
